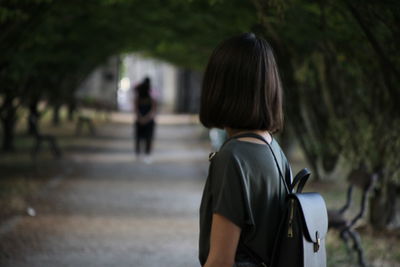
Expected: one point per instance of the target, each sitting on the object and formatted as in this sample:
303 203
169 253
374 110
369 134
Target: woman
243 198
145 109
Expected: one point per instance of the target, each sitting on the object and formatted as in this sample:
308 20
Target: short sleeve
227 187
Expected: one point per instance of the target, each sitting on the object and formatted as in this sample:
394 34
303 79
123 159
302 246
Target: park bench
364 181
42 138
85 121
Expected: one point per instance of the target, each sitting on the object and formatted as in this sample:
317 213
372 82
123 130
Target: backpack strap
301 179
288 184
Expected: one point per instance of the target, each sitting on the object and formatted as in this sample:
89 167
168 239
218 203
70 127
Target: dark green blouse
244 186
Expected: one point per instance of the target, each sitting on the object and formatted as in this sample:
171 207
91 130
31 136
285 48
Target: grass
381 249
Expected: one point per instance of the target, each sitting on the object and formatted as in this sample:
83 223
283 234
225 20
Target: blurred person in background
145 111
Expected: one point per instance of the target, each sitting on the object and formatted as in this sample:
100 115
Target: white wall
102 84
134 68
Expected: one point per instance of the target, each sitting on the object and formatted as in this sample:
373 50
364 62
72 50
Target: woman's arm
224 241
153 110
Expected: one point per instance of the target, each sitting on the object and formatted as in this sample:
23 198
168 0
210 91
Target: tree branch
371 38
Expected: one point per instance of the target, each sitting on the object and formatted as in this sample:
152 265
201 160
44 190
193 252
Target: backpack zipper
290 229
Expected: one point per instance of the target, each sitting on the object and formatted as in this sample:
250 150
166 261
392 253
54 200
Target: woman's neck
265 134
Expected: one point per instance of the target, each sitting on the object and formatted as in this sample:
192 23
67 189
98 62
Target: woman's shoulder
229 152
237 151
234 148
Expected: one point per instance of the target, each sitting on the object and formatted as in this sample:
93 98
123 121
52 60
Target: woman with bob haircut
244 196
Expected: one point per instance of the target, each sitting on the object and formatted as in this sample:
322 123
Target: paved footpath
110 210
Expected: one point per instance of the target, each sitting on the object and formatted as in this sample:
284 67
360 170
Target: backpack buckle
211 155
318 243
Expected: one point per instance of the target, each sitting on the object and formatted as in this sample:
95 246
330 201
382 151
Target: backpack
300 240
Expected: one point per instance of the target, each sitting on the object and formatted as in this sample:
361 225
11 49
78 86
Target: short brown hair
241 86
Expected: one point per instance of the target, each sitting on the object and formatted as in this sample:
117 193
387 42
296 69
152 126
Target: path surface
110 210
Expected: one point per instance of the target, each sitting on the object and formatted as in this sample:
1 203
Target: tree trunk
33 112
329 162
71 111
8 119
8 134
384 209
56 114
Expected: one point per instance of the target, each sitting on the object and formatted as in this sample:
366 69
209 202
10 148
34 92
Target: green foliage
339 61
340 65
67 39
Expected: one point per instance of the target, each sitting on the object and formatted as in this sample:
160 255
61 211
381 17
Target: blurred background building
176 89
